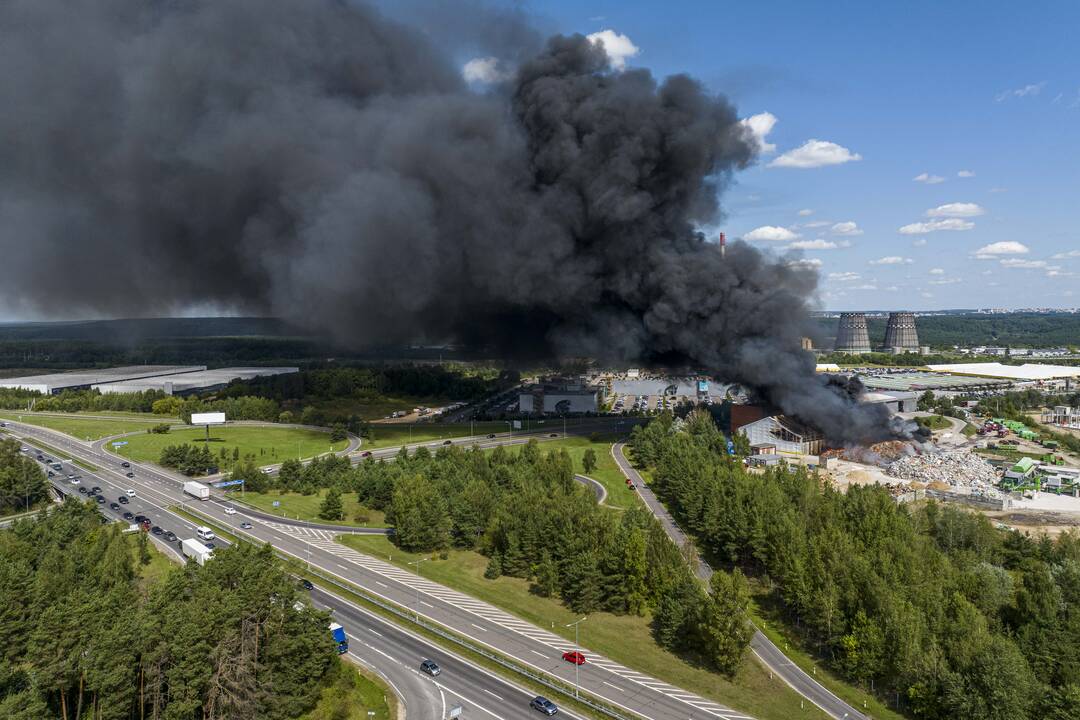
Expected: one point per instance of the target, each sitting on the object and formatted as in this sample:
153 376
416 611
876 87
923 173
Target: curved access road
766 651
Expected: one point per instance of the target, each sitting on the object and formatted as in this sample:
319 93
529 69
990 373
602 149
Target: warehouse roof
1028 371
194 381
55 382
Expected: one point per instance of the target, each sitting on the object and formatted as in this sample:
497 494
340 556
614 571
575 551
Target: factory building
193 382
782 435
896 402
84 379
852 335
1062 415
900 333
559 396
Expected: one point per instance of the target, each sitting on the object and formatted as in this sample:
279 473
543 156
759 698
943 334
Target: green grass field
374 408
269 444
81 426
624 639
306 507
606 471
393 434
353 693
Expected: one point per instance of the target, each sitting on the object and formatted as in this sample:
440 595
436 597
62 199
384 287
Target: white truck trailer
197 489
194 550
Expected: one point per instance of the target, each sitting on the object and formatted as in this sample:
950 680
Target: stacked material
958 468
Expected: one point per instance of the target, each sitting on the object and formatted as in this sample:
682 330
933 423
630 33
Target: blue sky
981 100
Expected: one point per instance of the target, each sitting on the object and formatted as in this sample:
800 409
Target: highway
393 652
767 652
631 691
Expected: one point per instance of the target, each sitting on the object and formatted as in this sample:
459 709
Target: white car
230 511
25 449
74 480
130 492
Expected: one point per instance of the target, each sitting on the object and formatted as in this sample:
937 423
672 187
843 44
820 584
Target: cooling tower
900 332
851 336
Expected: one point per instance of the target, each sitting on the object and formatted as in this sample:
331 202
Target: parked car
306 584
366 453
146 523
100 499
83 490
114 506
543 705
573 656
128 516
95 489
130 475
156 530
169 536
140 518
123 499
430 667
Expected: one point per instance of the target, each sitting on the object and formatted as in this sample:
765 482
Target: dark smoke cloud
313 160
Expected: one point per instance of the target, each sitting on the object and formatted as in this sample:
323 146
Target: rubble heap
958 468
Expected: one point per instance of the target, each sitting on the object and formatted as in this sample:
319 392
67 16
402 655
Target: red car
366 453
573 656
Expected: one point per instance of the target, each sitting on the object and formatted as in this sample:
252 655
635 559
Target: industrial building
852 335
897 402
938 382
193 382
1025 372
84 379
559 396
900 333
1062 415
782 435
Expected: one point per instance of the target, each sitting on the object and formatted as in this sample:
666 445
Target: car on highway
130 475
74 480
130 492
553 434
448 442
100 499
306 584
128 516
169 536
25 449
123 500
245 526
95 489
366 453
491 436
543 705
430 667
210 545
114 506
140 518
230 511
573 656
125 464
156 530
83 490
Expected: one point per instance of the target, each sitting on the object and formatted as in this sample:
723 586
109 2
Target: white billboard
208 418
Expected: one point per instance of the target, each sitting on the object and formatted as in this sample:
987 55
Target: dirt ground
1036 522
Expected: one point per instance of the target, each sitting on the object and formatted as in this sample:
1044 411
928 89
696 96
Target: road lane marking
491 694
612 686
538 653
375 631
478 627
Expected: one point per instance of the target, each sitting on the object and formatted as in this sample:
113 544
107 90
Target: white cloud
998 190
945 281
928 178
817 223
892 260
805 212
760 126
1028 264
1026 91
956 210
1065 255
937 271
921 228
770 232
485 70
1006 247
867 286
805 263
815 153
848 228
618 47
965 173
844 276
812 245
919 242
926 294
892 288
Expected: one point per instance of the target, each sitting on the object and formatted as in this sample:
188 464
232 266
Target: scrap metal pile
957 469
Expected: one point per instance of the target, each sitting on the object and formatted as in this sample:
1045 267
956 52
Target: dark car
157 530
114 506
52 474
83 490
125 464
366 453
210 545
543 705
169 536
491 436
128 516
430 667
140 518
245 526
123 499
95 489
131 474
448 442
553 434
306 584
101 500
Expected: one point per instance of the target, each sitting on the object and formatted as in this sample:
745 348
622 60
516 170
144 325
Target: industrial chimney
900 333
852 336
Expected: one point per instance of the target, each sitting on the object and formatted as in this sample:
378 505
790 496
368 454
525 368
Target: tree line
22 481
84 636
525 512
932 606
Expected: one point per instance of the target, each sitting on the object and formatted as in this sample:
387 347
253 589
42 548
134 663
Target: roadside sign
517 424
276 503
118 443
455 712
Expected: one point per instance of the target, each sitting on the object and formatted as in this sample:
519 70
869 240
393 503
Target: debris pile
954 469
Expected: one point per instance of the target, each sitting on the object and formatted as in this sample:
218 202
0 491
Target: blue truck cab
338 632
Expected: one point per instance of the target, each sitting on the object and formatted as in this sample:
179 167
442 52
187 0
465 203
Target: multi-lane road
386 648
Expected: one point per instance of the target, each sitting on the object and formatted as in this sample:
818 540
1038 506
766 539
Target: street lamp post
577 666
417 564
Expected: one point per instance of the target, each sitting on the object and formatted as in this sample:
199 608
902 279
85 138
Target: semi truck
194 550
197 489
338 633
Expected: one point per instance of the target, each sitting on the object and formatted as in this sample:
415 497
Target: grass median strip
519 675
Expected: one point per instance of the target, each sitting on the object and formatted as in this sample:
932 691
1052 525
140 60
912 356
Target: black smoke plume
312 160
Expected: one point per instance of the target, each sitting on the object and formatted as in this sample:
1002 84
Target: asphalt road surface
769 654
528 644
